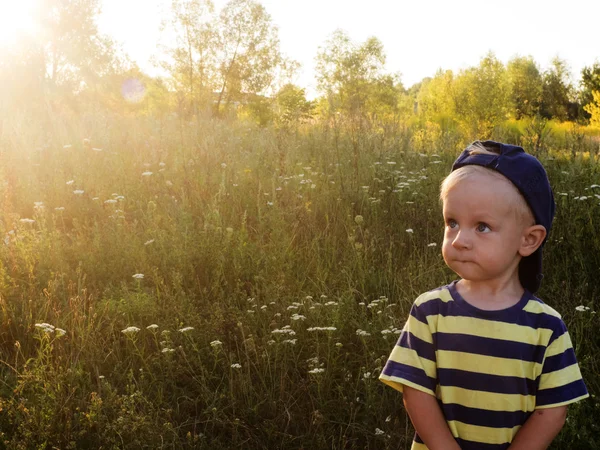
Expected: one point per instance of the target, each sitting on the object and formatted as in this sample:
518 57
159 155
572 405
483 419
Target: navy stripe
423 349
489 346
523 318
557 362
413 374
484 417
471 445
561 394
558 332
419 313
486 382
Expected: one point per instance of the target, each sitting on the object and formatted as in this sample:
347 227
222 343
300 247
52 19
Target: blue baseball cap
530 178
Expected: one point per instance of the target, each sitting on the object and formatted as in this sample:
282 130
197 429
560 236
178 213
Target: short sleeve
412 361
560 382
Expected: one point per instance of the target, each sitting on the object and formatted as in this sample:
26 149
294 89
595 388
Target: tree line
230 62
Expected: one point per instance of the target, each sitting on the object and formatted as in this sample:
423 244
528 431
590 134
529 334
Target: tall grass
293 258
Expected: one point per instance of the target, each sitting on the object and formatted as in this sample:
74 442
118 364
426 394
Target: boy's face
483 233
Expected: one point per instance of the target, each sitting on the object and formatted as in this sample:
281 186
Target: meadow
213 284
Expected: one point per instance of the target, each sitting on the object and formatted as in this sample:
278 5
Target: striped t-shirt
489 370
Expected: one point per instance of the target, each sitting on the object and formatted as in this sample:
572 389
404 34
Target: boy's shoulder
440 293
537 306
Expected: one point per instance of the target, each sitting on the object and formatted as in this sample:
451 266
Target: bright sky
419 36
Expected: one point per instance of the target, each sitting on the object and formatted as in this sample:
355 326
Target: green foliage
557 91
292 106
482 96
352 79
525 83
593 108
241 241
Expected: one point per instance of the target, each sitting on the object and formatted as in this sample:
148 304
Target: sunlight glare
16 19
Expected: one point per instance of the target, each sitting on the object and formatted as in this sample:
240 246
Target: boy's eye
452 223
483 228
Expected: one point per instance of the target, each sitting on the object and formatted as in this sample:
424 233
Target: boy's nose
461 241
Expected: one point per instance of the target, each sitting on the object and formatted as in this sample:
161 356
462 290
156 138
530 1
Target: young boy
483 364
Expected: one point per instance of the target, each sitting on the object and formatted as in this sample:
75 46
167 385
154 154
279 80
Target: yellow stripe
536 307
411 358
560 377
486 400
566 402
398 383
494 330
559 345
419 329
417 446
478 433
491 365
442 294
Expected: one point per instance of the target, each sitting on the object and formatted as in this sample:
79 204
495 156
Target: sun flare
16 20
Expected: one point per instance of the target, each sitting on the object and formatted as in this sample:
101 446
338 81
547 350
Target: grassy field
216 285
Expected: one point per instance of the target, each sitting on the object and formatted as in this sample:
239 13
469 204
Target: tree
436 97
525 84
247 49
557 91
64 57
346 71
192 61
482 96
291 105
73 49
590 82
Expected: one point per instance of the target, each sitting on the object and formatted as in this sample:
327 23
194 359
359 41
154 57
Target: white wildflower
138 276
59 208
130 330
432 244
290 341
409 230
359 219
78 191
185 329
168 350
236 366
149 242
60 332
321 329
379 432
70 182
110 201
152 327
316 370
26 220
582 308
146 174
216 344
284 330
46 327
96 149
360 332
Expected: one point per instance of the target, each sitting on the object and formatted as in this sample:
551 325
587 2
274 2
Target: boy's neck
500 294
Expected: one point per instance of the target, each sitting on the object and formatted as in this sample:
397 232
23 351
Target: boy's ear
531 239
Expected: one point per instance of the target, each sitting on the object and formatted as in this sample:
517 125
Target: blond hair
520 208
